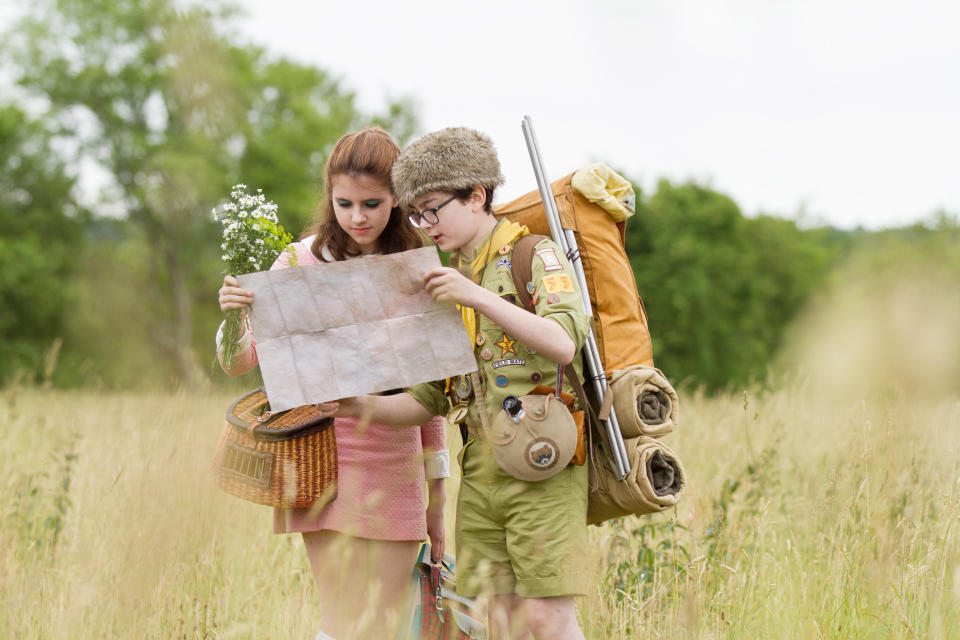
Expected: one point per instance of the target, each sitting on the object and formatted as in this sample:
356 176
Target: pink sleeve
301 255
282 261
244 360
433 435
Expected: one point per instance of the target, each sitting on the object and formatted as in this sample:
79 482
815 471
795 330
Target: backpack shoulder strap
522 267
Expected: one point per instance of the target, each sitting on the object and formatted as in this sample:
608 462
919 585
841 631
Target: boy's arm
399 410
546 336
543 334
558 337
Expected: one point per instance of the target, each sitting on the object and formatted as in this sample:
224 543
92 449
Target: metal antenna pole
568 243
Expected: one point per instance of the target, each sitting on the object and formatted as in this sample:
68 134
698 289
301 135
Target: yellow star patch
506 345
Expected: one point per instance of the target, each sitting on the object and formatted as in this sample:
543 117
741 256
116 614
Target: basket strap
243 421
258 418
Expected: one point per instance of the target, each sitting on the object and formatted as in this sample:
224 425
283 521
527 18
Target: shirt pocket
500 283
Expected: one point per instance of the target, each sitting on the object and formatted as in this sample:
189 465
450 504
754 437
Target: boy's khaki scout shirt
507 365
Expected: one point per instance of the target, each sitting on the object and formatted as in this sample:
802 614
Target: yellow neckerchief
503 234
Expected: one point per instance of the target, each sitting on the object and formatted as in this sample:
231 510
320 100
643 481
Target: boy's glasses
430 215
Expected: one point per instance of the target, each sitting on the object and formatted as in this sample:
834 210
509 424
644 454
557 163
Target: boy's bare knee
507 618
550 617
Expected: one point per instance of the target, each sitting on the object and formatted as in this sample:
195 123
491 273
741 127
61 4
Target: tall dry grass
802 520
111 526
824 507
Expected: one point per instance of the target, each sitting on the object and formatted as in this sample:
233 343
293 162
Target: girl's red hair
370 152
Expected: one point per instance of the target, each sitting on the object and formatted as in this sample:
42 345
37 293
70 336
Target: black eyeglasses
430 215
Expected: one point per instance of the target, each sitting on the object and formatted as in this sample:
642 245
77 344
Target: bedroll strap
581 394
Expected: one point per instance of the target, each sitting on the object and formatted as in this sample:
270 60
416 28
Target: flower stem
232 330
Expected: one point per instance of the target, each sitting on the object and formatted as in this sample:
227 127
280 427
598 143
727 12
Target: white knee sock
322 636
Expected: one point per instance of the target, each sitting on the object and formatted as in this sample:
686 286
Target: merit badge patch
502 381
541 454
506 345
558 283
486 354
519 362
549 259
536 376
504 262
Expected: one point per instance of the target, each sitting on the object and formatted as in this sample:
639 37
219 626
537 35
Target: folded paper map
341 329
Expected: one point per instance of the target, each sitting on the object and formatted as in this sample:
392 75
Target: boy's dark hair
464 194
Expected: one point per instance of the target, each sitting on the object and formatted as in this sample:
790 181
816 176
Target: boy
522 542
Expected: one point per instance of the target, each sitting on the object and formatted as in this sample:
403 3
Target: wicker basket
285 459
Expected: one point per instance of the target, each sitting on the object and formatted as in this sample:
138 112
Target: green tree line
173 112
720 288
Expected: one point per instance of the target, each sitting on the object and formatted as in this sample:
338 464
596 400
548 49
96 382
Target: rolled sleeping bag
645 401
655 482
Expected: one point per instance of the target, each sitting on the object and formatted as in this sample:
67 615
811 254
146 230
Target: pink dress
381 485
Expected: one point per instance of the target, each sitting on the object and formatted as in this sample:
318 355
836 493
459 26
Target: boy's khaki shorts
528 538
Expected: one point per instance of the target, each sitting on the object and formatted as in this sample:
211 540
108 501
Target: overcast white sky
847 108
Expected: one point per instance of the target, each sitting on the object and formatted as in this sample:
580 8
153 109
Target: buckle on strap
435 578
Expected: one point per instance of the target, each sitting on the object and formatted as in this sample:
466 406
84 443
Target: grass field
806 516
825 506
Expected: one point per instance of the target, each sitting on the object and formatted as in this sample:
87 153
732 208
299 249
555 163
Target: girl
363 545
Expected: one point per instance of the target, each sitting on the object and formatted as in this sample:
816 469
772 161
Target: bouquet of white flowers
252 240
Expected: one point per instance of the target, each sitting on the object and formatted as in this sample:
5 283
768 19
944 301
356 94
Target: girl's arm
436 465
245 357
433 439
232 296
435 526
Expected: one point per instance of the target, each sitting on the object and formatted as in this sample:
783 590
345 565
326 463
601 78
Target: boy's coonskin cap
445 160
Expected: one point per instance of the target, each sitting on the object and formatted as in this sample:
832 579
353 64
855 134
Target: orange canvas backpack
594 202
599 222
